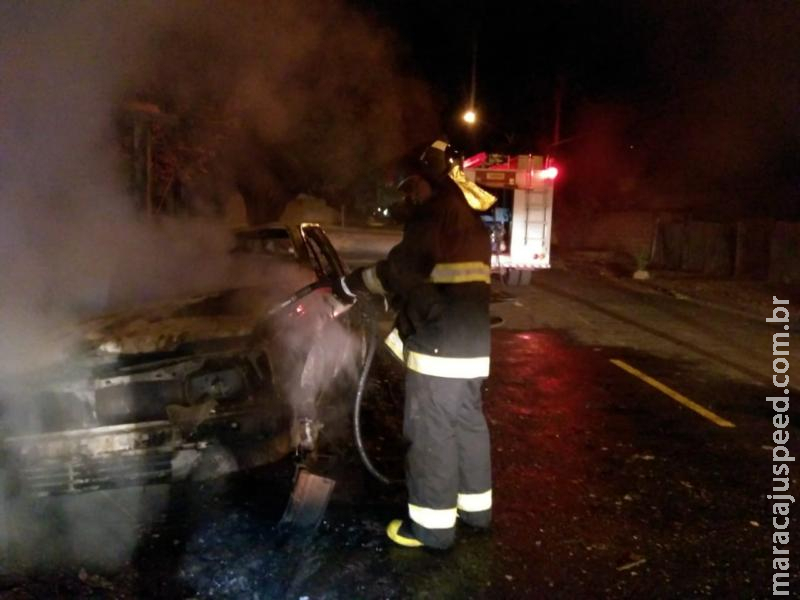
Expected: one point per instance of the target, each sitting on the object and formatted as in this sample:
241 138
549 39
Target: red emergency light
478 159
548 173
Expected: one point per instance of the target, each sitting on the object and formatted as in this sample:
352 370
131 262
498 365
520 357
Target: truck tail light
548 173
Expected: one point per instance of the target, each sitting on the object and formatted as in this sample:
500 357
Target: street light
470 117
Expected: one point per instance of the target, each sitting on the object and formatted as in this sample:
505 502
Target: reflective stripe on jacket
438 366
464 272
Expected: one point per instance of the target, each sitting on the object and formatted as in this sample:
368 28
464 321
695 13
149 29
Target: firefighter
437 279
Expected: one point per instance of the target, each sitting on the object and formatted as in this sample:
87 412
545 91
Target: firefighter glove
342 291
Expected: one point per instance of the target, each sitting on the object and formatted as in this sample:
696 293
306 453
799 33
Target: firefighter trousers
448 464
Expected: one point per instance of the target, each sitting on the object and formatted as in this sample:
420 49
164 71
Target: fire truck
521 219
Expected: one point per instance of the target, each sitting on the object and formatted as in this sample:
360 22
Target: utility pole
557 101
474 79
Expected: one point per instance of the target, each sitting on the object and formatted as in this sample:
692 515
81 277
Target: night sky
523 50
694 96
684 103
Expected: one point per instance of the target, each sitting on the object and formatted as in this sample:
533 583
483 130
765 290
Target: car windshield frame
309 241
327 263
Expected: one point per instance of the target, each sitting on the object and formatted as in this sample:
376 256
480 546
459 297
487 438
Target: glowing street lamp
470 117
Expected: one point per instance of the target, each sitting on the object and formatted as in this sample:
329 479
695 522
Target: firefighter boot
400 533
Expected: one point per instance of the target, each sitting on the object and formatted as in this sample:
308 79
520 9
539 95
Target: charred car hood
167 327
145 364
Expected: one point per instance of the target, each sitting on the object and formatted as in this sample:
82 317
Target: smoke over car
266 101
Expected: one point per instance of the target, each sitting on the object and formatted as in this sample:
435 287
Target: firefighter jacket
438 280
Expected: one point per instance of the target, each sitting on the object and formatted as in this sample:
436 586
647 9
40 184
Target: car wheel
518 277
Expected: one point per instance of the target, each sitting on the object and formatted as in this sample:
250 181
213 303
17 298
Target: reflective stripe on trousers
475 502
432 518
438 366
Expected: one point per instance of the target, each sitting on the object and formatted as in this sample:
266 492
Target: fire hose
297 296
372 337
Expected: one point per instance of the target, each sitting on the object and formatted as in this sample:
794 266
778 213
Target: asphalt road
632 456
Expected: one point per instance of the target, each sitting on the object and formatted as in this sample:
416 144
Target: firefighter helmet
420 170
439 158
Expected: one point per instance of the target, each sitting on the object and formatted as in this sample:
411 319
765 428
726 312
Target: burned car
191 388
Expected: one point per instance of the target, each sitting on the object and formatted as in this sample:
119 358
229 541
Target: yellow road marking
678 397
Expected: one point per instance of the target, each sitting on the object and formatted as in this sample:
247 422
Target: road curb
709 304
643 286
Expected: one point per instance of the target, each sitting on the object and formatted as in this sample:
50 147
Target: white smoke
309 86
